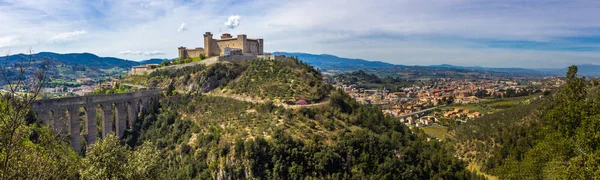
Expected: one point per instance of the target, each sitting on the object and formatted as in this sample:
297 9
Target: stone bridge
118 112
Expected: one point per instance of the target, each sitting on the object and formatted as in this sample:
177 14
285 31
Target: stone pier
62 115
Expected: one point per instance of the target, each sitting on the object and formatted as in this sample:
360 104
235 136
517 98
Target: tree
28 151
145 162
106 159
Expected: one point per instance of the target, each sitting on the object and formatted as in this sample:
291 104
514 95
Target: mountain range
65 69
71 66
331 62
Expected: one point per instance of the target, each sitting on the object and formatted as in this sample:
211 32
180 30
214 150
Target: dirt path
258 100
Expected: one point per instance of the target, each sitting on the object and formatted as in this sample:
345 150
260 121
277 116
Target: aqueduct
63 114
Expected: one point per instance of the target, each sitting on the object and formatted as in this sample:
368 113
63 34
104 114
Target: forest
365 80
553 137
367 144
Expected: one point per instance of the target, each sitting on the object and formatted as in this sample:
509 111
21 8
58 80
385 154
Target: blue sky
508 33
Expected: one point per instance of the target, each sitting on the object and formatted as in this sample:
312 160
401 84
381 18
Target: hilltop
284 81
203 125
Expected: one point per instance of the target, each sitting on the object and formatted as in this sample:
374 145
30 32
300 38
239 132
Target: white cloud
181 27
68 36
8 41
140 53
233 21
399 31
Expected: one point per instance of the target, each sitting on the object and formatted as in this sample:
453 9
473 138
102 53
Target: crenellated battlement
224 46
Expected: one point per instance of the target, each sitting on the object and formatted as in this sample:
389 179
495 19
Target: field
436 131
491 105
475 168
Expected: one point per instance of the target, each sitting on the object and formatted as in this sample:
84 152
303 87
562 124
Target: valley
299 90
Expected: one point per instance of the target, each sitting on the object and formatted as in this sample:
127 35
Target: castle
226 46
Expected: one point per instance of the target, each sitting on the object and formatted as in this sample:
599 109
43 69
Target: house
142 69
84 80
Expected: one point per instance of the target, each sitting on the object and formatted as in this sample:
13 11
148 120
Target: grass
490 105
473 167
436 131
136 79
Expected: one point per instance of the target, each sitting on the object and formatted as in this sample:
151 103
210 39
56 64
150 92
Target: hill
64 69
592 70
153 61
284 81
326 61
366 80
552 137
205 132
522 71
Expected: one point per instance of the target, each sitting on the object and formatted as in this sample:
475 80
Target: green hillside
281 81
554 137
365 80
214 137
286 81
193 132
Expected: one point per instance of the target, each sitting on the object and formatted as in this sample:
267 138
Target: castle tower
208 44
226 36
242 40
182 54
260 47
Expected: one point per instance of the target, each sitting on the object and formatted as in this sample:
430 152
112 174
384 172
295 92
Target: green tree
27 150
106 159
145 162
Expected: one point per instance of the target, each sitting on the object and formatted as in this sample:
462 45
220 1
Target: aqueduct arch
126 107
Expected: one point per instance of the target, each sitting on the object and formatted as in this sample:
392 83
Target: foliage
196 78
28 150
365 80
107 159
207 137
552 138
286 80
113 90
183 61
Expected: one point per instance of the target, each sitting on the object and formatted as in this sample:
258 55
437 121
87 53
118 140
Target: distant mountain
64 69
592 70
504 70
153 61
331 62
326 61
86 59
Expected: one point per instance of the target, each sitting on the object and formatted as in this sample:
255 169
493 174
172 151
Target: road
417 112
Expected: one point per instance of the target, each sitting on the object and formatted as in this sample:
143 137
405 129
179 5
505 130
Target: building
84 80
227 45
142 69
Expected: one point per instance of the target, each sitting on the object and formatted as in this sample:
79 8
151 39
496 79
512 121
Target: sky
504 33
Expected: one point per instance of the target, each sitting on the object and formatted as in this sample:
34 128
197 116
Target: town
426 102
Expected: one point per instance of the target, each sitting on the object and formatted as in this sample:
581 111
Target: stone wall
216 47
